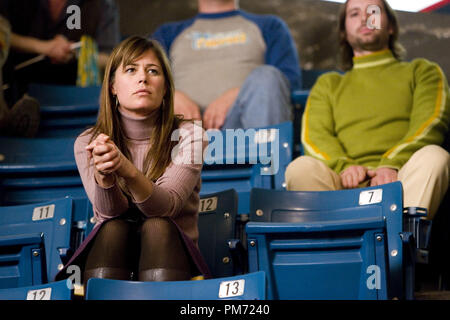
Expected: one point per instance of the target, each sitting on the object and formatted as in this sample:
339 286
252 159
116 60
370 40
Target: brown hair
108 121
346 51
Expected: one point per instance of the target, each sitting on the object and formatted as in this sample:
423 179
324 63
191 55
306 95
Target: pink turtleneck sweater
175 194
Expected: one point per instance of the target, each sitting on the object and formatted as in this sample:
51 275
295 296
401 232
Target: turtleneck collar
374 59
137 127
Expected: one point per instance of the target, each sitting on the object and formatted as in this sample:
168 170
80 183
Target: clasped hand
354 175
107 157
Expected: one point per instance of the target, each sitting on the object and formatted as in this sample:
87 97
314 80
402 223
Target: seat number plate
231 288
370 197
41 294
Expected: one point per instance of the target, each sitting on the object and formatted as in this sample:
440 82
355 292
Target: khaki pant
424 177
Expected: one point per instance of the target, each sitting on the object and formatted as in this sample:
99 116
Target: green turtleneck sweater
377 114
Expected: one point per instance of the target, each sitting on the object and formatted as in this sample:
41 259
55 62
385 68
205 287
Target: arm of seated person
184 105
216 112
57 49
109 161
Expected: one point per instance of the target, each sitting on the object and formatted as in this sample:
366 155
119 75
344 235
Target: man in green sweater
381 121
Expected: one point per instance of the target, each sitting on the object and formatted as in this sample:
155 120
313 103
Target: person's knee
299 169
267 76
158 230
114 230
436 159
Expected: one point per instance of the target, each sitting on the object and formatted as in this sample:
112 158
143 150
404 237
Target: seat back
65 110
34 240
328 245
50 291
242 159
243 287
216 225
52 95
40 155
43 169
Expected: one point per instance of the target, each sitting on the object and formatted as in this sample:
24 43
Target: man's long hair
346 51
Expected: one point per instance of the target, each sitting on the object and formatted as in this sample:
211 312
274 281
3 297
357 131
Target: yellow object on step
88 72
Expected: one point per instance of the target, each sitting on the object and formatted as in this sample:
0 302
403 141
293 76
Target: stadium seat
42 169
249 286
218 239
300 97
56 97
346 244
49 291
240 160
34 240
65 110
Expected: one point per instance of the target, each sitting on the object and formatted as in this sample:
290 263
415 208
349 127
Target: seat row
43 169
350 244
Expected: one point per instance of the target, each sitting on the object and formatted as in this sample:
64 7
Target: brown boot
24 117
161 274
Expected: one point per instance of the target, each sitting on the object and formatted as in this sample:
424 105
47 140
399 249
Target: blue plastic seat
49 291
42 169
243 287
34 240
218 241
344 244
300 97
40 155
65 110
64 98
257 158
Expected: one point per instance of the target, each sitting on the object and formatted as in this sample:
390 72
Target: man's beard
378 42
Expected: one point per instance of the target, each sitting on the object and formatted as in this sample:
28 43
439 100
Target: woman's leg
163 254
113 253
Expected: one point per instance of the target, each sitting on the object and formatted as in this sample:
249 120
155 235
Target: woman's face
140 86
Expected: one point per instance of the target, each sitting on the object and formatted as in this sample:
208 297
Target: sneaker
24 117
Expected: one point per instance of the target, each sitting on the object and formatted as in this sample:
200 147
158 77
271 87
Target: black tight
153 250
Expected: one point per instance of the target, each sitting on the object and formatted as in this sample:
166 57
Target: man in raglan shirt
232 69
381 121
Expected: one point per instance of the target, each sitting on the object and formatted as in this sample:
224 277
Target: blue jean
263 100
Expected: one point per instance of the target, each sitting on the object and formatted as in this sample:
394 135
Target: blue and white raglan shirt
212 53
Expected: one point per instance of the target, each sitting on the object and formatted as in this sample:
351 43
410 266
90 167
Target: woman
144 187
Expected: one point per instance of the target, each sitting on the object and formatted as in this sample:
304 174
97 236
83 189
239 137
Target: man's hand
216 112
382 176
185 106
58 49
353 176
